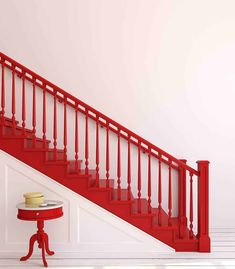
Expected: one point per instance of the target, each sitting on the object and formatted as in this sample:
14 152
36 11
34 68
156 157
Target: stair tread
71 167
9 120
102 184
121 196
91 173
144 208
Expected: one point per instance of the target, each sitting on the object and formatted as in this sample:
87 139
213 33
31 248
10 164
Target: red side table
40 214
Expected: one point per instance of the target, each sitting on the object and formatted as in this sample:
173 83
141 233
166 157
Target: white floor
222 256
121 263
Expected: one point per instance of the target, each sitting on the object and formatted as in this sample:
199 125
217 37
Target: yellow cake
35 198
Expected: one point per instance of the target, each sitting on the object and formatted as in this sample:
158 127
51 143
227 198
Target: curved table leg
43 254
49 252
31 244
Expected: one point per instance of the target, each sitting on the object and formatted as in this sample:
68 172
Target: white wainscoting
85 230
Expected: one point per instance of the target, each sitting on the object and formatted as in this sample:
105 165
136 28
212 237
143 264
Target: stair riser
8 130
50 156
121 210
30 144
72 169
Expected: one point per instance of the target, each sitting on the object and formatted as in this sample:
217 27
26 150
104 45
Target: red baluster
3 94
23 102
119 167
170 196
107 155
191 207
65 128
44 116
129 168
13 100
159 191
34 113
55 125
139 177
86 144
149 181
97 151
76 139
182 200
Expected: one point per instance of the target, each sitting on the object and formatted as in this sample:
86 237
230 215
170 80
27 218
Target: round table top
56 204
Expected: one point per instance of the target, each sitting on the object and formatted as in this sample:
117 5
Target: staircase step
72 167
57 155
164 220
8 121
121 196
140 208
9 132
102 184
39 144
91 174
56 162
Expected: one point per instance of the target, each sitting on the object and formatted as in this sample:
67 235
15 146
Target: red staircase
52 131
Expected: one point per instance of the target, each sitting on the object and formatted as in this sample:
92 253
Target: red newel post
203 206
182 200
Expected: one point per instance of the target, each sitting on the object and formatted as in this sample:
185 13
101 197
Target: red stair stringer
41 159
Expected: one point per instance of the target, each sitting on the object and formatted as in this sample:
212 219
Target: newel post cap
203 162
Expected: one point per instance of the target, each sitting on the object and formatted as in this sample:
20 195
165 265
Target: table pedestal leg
42 238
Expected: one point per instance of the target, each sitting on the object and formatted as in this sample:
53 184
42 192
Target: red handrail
50 88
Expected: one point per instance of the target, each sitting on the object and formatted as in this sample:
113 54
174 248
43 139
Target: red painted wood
119 167
34 215
13 108
86 144
139 178
129 169
55 125
107 155
182 200
97 152
34 114
41 237
65 128
123 197
170 197
76 141
23 104
96 112
203 206
3 94
191 207
44 116
149 181
159 192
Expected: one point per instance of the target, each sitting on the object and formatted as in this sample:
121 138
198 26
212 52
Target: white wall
164 69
